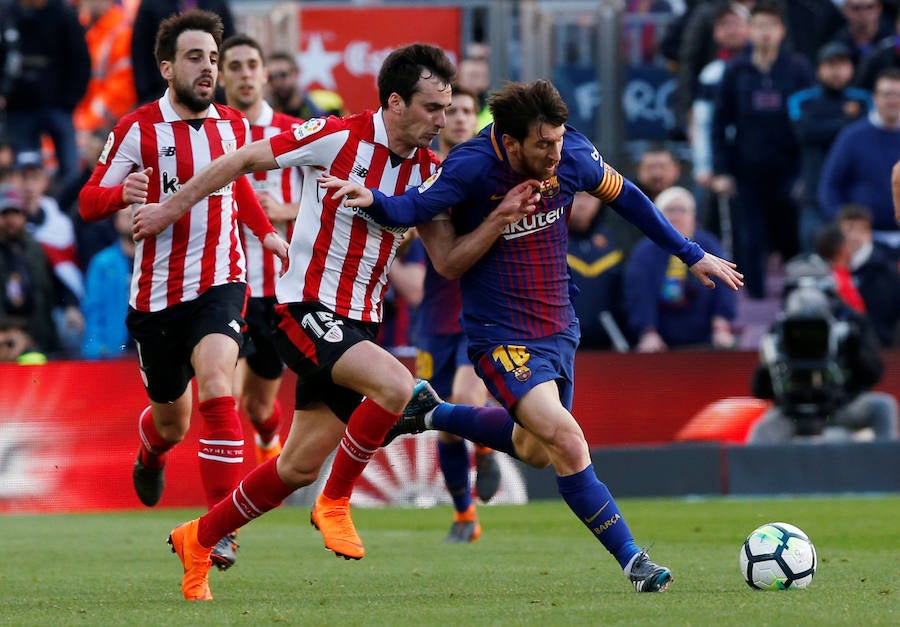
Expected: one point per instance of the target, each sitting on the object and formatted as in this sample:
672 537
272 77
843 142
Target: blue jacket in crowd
754 105
858 170
661 293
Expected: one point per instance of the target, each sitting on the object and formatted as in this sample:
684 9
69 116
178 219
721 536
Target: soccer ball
778 556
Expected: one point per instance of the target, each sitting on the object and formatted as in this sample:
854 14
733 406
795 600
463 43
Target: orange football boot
332 518
195 559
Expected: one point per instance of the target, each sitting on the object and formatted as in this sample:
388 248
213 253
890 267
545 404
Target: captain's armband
611 185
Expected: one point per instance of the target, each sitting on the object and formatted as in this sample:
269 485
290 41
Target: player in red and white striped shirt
189 286
329 299
243 75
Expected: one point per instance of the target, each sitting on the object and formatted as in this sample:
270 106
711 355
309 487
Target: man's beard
194 103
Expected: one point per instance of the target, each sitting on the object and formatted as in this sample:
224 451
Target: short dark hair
459 90
855 211
828 242
283 56
177 23
517 106
402 69
240 40
769 7
888 73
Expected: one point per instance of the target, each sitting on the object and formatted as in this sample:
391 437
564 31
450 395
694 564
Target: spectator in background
640 41
286 96
698 47
7 161
818 114
756 157
148 81
866 26
105 302
90 237
832 248
46 68
596 266
27 293
886 54
667 306
810 24
474 74
873 267
731 33
858 166
657 169
54 231
110 92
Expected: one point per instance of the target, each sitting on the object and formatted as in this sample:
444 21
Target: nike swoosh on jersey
594 517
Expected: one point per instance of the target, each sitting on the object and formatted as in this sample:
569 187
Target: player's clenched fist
135 185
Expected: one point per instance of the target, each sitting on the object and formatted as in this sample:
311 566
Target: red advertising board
68 430
342 48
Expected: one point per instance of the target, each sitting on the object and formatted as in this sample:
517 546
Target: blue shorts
438 357
511 368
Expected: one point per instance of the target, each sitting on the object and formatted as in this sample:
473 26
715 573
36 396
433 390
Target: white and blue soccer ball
778 556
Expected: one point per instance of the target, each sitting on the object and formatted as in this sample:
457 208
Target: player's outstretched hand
152 219
275 244
711 266
354 194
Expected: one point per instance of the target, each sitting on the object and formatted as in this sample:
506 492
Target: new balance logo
167 151
360 171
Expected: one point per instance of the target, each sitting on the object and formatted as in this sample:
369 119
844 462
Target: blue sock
595 507
489 426
453 458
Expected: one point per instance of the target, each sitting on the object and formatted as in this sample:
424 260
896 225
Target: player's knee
293 475
257 410
571 445
395 389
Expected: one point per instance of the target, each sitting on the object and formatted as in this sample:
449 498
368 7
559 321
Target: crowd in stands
790 110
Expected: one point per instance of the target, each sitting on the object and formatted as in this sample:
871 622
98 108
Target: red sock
269 427
221 448
153 448
259 492
366 429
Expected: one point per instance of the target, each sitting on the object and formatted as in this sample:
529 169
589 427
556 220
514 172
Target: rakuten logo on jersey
533 223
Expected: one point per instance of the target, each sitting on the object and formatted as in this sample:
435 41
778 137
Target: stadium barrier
68 437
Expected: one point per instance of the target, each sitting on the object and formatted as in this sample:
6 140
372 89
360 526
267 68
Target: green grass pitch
534 565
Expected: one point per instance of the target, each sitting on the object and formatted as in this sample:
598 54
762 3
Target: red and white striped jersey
201 249
339 257
263 267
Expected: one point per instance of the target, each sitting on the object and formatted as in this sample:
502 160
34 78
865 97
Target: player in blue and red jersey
517 309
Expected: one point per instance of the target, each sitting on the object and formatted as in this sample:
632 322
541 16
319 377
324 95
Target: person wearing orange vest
111 92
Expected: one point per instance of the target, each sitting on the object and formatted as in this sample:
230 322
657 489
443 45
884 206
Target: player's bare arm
453 255
152 219
711 266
